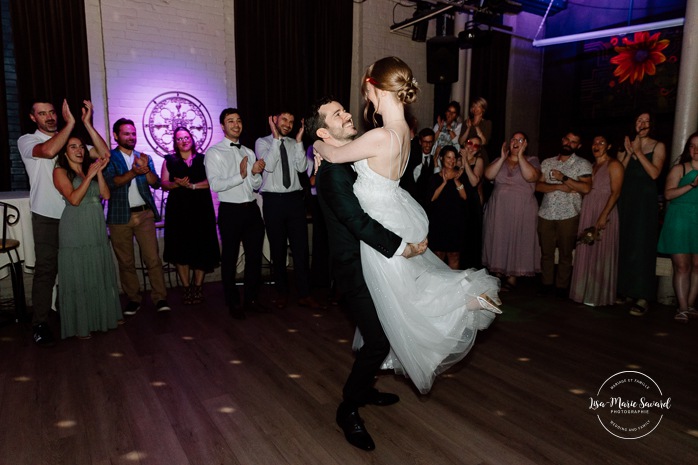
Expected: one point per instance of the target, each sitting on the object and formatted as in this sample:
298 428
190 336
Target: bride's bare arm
374 143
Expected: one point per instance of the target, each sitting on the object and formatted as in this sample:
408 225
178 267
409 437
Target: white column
460 91
686 117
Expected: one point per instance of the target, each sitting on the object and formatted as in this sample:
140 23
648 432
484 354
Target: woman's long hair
686 154
633 131
64 163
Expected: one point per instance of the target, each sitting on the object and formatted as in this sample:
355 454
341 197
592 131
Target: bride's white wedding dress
429 312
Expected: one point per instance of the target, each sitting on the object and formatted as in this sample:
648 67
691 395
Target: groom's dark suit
347 224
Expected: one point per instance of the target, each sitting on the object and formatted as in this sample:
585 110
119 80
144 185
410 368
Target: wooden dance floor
196 387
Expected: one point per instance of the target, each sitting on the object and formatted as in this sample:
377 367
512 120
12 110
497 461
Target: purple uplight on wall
170 110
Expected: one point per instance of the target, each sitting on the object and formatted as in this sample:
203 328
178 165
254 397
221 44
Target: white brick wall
373 40
141 49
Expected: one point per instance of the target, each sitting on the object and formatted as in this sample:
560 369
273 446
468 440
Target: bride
429 312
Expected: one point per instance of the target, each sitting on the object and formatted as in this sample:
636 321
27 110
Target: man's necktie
284 166
233 144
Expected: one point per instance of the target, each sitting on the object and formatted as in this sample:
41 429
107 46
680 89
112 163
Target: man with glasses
563 180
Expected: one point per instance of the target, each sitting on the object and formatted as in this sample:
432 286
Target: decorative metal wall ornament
170 110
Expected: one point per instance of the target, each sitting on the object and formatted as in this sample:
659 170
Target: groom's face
338 122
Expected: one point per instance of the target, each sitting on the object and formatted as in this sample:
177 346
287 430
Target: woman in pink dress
596 256
510 244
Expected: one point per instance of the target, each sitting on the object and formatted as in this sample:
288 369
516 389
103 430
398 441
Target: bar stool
10 217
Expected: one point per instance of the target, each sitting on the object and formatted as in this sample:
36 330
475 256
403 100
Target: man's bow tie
233 144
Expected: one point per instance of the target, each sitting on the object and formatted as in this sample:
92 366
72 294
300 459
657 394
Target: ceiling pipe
609 32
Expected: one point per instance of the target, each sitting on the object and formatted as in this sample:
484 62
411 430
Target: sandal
187 295
692 312
488 304
197 294
681 316
639 308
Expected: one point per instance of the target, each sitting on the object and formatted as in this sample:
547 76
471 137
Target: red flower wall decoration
639 56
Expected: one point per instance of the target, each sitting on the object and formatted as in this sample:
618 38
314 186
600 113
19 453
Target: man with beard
132 212
347 224
563 180
284 205
38 151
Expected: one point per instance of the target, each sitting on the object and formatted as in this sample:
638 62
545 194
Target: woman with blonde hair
476 125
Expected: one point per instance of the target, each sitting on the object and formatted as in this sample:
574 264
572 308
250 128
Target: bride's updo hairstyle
393 75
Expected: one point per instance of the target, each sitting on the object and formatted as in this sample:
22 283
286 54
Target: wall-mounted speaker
442 60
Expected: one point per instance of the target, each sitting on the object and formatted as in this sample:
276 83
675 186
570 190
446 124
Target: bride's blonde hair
393 75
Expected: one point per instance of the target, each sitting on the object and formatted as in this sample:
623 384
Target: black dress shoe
353 426
382 399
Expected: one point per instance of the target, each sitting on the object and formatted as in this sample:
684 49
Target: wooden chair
10 217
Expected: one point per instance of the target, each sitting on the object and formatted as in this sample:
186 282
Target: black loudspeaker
442 60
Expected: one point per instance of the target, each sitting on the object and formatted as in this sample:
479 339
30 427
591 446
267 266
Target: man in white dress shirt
234 173
39 150
284 205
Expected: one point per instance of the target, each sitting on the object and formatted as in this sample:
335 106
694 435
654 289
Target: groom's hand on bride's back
412 250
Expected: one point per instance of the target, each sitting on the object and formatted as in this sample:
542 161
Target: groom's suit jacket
347 224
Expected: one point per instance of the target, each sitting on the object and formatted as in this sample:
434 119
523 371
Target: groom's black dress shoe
353 426
382 399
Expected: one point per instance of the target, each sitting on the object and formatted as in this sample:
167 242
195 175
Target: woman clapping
447 209
87 294
191 242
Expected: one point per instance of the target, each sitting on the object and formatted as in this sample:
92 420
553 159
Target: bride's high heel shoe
487 304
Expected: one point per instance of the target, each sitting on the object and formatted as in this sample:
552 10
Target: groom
347 224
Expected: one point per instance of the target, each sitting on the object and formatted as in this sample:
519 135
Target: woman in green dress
88 298
638 214
680 231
